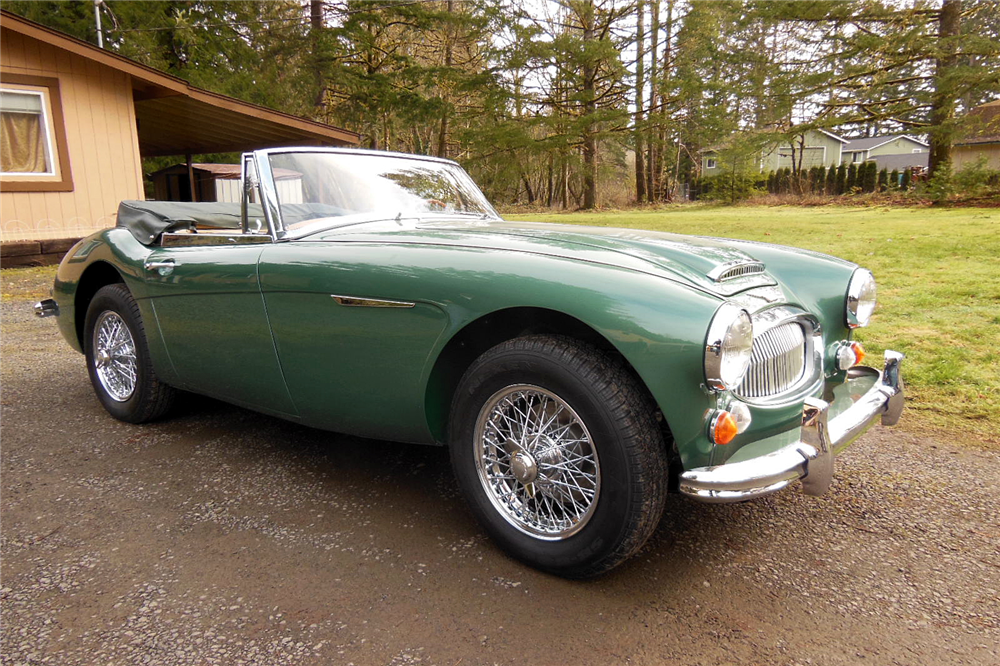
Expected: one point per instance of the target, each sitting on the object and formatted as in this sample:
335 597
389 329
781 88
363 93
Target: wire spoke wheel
537 462
115 356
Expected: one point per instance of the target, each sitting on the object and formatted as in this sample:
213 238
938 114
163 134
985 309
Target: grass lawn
938 273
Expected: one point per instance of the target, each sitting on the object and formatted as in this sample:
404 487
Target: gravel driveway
220 536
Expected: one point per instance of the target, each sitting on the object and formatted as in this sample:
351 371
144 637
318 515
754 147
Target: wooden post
194 190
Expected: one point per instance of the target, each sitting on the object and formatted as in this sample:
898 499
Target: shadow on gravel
392 478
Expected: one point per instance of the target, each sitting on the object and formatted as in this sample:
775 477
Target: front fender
658 325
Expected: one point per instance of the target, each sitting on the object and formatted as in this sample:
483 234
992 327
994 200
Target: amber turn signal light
859 353
724 428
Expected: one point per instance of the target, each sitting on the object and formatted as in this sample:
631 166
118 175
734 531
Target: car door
206 297
353 340
210 311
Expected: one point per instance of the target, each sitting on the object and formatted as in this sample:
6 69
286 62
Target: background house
894 151
823 148
819 147
983 141
77 120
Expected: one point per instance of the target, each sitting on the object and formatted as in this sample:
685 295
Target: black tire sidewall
117 299
605 530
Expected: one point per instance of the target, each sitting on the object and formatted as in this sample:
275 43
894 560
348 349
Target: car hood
691 258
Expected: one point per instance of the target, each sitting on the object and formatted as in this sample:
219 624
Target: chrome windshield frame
269 192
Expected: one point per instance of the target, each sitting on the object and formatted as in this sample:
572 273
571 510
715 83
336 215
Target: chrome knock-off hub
523 467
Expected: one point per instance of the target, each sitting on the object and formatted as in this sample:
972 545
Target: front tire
556 447
118 359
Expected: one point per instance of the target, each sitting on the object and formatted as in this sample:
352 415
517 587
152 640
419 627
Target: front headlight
728 348
860 298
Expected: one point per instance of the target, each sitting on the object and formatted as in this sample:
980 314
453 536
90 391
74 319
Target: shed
77 120
216 182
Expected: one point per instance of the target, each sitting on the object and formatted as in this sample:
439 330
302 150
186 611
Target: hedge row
843 179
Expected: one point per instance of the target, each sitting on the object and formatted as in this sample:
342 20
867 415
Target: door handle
164 268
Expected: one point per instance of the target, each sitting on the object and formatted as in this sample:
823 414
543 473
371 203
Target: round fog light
846 358
850 355
741 413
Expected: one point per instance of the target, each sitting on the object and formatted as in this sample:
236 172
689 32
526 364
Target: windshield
313 187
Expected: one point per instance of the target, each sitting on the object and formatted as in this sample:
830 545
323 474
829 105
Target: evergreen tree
841 179
894 180
883 179
831 180
869 177
852 177
907 179
820 185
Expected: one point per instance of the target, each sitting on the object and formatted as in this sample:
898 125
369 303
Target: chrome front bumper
811 457
46 308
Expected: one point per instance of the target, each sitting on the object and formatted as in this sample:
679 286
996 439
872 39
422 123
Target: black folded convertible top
146 220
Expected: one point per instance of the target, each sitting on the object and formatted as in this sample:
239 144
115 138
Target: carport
101 113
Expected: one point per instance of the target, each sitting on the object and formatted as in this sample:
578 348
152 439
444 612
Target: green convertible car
577 374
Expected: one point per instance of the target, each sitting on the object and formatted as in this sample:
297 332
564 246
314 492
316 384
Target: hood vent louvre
732 272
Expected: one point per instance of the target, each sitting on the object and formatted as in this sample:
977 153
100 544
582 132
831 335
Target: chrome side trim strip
210 238
363 302
811 458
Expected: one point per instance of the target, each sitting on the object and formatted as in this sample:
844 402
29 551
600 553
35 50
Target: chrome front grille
777 363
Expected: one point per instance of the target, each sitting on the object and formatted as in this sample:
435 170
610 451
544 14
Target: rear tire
557 449
118 359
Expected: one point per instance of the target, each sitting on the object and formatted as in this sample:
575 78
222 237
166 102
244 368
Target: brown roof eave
176 86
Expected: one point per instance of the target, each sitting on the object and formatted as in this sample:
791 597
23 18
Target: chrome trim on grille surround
735 269
807 376
777 361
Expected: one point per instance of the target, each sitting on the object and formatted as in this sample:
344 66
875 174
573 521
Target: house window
918 150
710 163
33 151
856 156
27 133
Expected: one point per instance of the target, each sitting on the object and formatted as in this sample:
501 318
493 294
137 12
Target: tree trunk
640 165
654 36
548 182
442 142
943 100
564 183
661 171
315 38
527 188
589 109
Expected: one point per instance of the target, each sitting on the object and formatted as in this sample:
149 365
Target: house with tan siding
983 140
76 121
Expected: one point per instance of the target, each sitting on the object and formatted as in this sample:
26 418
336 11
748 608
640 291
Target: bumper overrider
811 457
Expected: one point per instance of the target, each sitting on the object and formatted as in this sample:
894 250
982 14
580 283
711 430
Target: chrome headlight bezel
861 298
728 348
